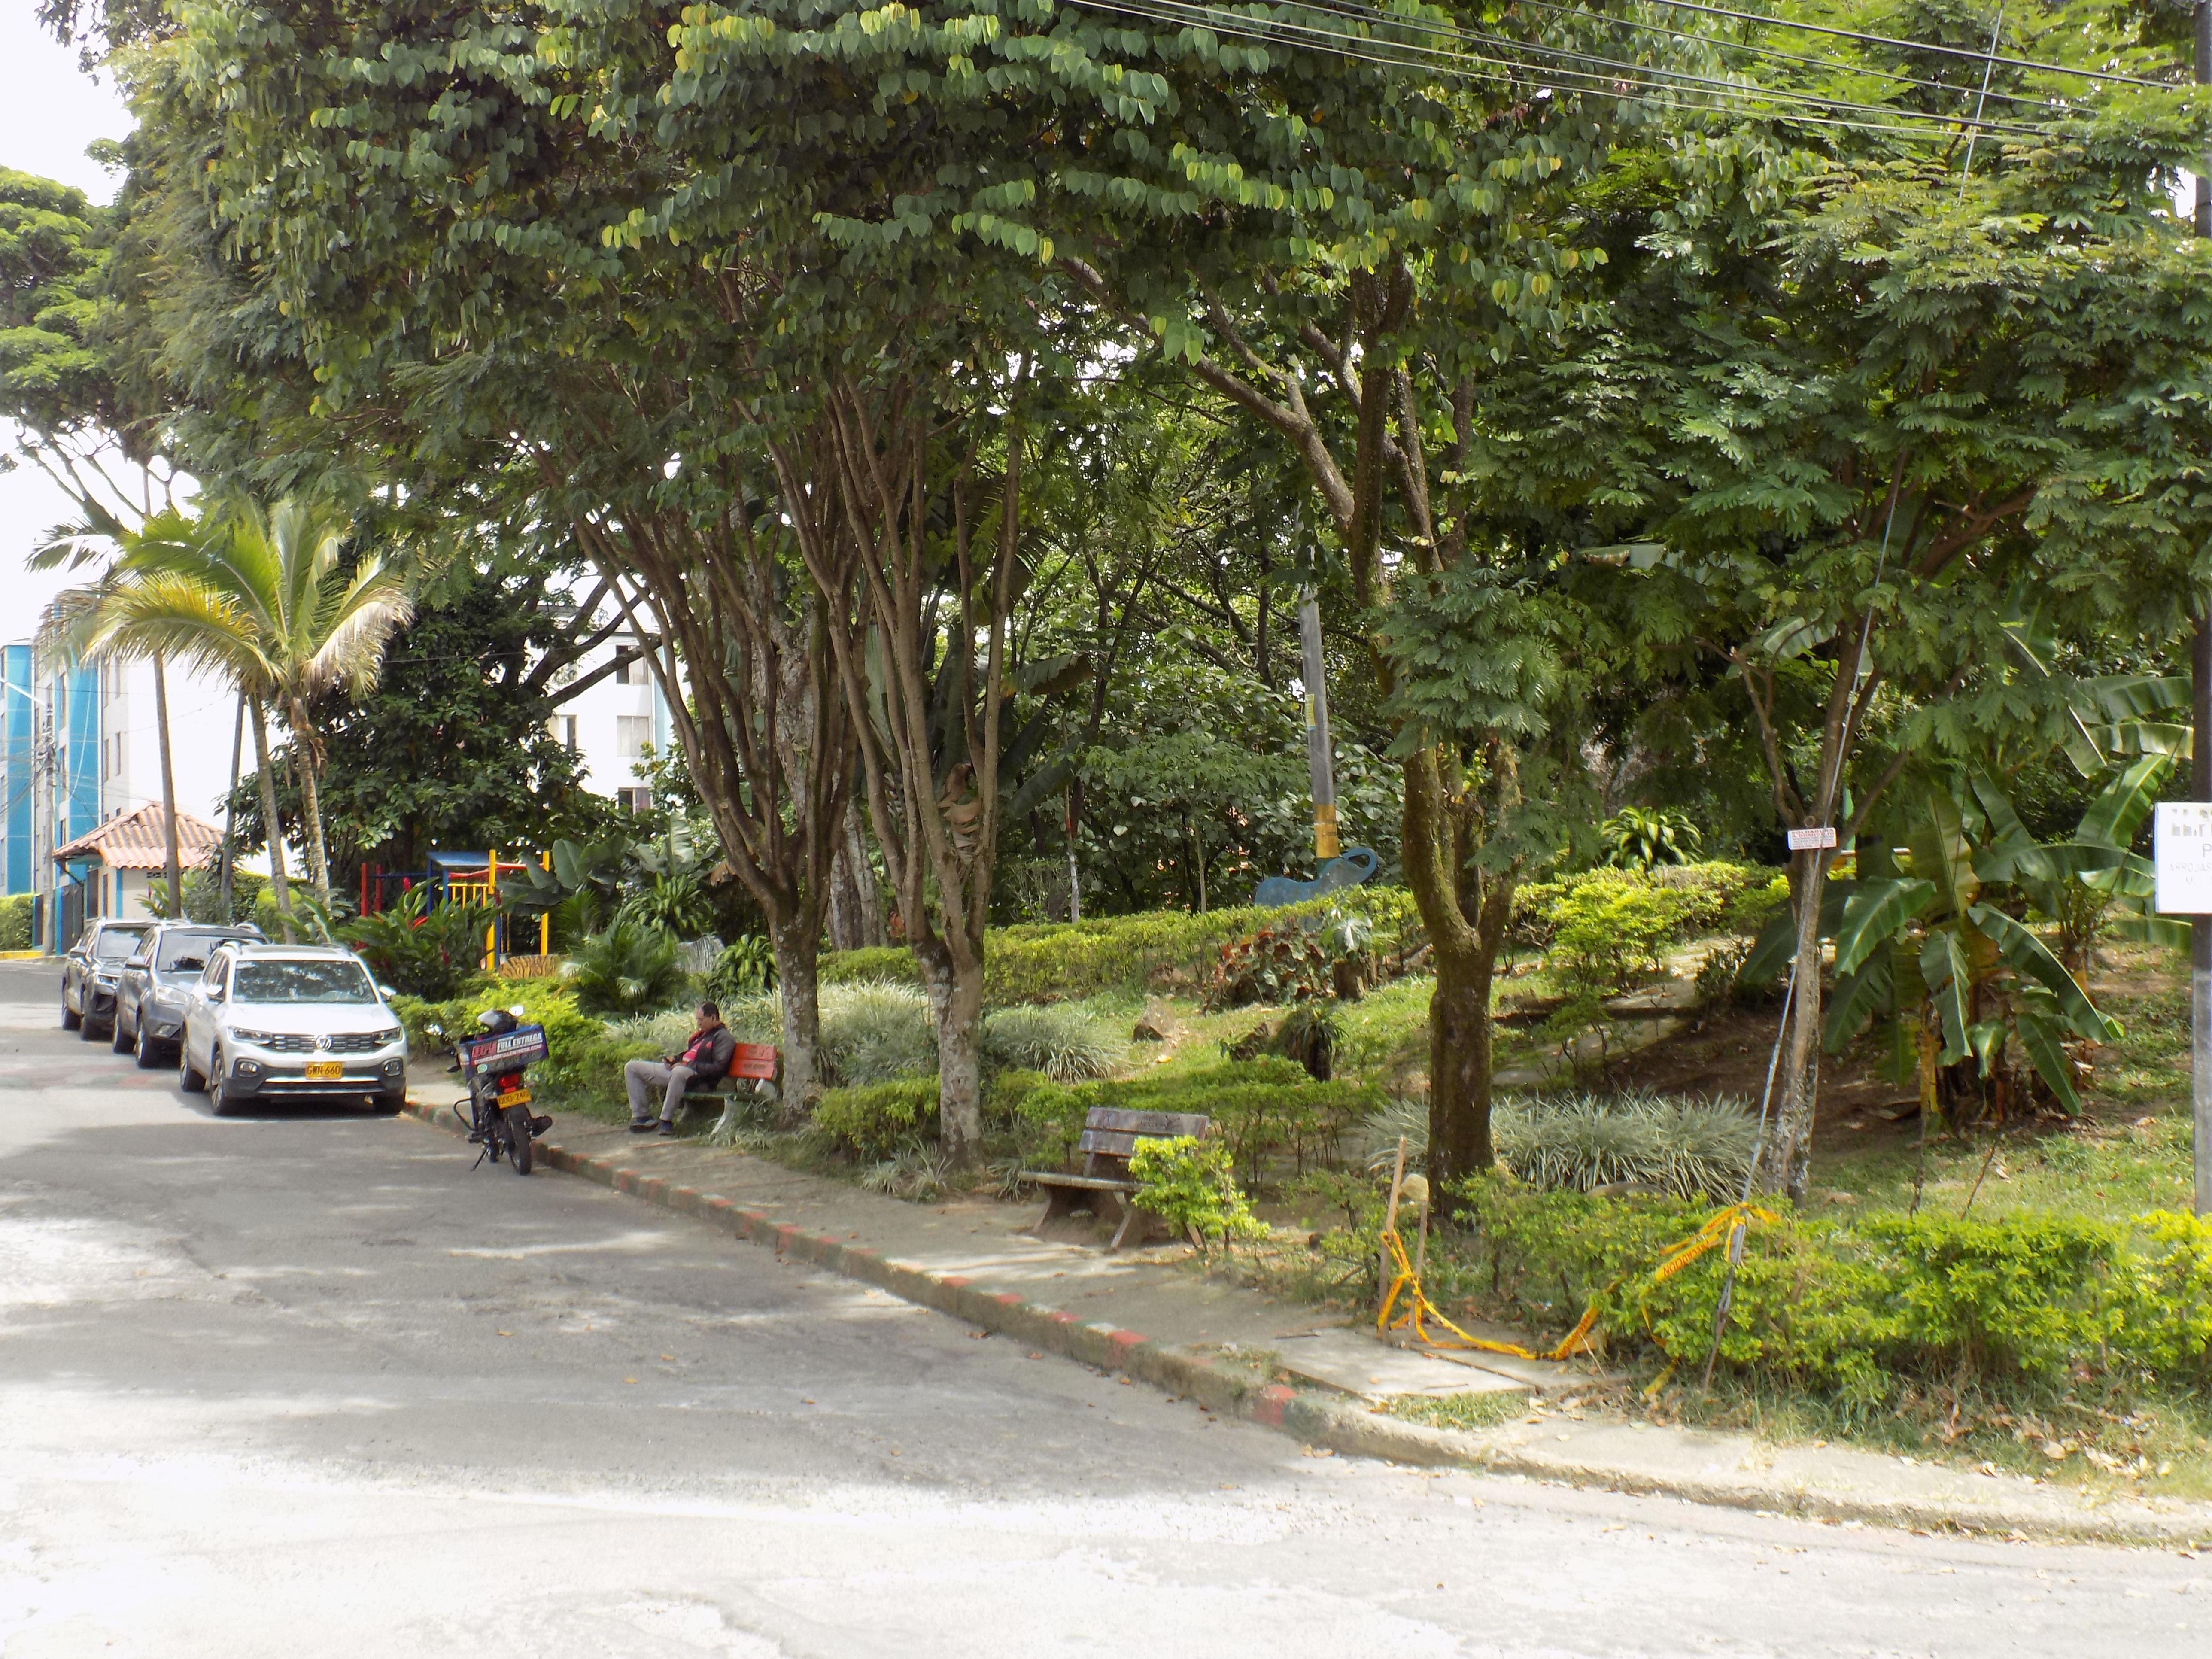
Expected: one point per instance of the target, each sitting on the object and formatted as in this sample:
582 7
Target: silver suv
296 1020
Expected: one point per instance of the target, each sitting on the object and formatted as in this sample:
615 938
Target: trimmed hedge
1066 962
1853 1308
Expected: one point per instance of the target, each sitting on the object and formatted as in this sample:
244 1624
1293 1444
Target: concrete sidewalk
1318 1376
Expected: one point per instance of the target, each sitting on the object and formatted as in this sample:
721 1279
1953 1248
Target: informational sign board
2182 850
1807 841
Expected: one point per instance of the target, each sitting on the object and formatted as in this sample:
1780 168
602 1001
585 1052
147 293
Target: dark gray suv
156 983
91 972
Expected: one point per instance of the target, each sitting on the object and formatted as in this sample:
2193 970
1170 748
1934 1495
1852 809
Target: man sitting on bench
704 1063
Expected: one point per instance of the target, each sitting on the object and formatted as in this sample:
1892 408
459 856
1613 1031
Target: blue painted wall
19 736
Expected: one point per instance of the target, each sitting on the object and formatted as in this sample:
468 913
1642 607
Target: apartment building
80 746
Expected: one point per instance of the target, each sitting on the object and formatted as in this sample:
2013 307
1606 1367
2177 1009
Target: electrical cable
1774 53
1609 76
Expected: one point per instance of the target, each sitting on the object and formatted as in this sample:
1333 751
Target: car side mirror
135 962
385 991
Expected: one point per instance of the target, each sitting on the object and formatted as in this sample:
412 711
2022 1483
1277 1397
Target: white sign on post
2182 850
1806 840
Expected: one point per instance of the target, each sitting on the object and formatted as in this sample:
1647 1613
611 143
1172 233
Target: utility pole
1320 762
2200 713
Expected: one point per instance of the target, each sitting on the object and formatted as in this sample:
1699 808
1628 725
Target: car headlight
390 1034
238 1033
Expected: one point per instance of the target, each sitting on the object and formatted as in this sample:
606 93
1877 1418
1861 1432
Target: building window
633 735
629 671
635 800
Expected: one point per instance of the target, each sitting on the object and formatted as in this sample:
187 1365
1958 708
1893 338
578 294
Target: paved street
304 1375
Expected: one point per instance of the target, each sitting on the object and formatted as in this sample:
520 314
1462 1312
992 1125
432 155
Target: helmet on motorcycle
495 1021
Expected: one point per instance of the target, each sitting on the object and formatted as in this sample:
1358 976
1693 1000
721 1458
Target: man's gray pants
643 1076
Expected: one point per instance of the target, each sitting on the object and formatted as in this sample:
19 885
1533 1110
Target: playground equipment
470 877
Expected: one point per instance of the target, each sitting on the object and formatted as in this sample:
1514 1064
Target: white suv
299 1020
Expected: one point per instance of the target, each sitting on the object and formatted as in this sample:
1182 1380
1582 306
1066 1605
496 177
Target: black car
91 972
156 983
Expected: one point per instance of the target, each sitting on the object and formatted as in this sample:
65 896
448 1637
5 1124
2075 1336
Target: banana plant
1929 948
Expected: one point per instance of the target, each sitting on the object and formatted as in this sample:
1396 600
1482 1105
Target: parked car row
239 1016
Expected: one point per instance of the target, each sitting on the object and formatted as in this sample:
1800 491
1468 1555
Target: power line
1611 78
1836 64
1966 52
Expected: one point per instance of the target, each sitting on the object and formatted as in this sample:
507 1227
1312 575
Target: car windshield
116 943
302 981
187 953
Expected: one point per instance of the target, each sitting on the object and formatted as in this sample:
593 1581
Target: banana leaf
2028 954
1873 916
1857 998
1778 941
2044 1039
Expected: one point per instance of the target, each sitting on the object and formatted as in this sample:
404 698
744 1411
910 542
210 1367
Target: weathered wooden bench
1109 1135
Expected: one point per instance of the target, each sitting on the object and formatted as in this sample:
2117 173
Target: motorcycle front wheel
517 1119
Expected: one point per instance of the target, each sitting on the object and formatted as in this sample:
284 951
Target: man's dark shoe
667 1127
641 1127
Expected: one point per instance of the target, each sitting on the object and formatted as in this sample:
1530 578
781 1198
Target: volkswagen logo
324 1043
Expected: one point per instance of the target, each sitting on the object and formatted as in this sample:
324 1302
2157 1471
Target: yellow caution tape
1420 1313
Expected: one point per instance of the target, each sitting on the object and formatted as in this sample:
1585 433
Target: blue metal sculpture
1354 865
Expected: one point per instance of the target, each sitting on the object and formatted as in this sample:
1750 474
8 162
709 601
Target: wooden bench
750 1062
1109 1135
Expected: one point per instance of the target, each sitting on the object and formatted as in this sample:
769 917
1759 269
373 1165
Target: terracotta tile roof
138 841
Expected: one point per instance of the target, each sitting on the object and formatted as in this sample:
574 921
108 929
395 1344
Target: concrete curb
1326 1421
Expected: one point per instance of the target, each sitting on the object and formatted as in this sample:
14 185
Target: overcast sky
50 111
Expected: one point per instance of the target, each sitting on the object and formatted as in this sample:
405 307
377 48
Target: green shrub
627 970
1612 926
427 950
15 922
875 1030
876 962
1188 1183
1690 1148
744 969
880 1121
1713 898
1065 1042
1858 1307
1002 1100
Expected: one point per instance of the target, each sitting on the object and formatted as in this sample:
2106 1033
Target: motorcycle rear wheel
517 1122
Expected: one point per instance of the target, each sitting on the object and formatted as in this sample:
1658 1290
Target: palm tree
262 596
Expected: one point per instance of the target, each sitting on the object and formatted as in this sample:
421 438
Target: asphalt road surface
303 1375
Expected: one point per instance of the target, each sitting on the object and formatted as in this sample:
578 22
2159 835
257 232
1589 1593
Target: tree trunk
275 824
797 942
856 910
960 1062
1786 1164
310 801
1461 1045
176 871
230 809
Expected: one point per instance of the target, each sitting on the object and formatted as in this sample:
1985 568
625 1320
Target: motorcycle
498 1116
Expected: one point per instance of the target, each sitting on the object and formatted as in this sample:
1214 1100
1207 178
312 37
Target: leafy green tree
453 746
1851 415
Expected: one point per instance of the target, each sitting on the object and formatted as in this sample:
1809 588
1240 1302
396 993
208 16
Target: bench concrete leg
1132 1220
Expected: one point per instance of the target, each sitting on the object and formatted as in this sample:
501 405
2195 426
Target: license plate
325 1071
518 1098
